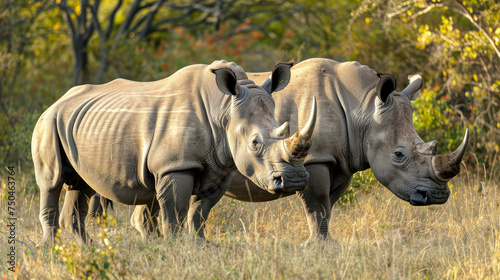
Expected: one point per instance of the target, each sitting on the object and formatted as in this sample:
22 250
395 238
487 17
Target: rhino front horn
298 145
448 166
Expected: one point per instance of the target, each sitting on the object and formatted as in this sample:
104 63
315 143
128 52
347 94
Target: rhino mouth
283 183
423 197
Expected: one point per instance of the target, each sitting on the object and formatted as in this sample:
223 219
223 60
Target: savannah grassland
376 237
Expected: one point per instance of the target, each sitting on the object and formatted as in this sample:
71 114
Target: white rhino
362 123
133 142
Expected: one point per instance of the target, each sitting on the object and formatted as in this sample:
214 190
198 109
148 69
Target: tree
145 18
457 44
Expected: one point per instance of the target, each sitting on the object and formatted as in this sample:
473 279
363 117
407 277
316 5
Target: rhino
362 123
164 141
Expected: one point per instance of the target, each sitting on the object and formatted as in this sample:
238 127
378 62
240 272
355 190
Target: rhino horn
447 166
298 145
280 132
429 148
411 90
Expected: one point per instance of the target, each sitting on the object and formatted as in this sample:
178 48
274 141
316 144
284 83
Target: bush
434 120
16 141
363 181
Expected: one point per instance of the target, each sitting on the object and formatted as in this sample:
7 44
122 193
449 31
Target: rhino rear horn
298 145
280 132
429 148
447 166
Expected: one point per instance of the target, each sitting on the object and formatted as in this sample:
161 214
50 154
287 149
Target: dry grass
378 237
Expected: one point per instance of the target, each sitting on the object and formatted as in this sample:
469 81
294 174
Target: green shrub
435 120
16 141
363 181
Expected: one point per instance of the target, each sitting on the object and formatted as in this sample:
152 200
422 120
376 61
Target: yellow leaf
56 26
78 10
475 77
37 52
497 31
454 82
367 20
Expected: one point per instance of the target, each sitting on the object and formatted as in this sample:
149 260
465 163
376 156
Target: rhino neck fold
218 111
355 126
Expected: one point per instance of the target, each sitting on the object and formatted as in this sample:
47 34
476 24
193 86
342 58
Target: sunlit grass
376 237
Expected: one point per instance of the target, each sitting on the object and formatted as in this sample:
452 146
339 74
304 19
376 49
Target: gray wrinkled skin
362 123
133 142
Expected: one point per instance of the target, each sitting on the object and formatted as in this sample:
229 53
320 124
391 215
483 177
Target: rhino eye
399 157
255 143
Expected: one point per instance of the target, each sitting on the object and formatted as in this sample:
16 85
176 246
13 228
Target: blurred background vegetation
46 47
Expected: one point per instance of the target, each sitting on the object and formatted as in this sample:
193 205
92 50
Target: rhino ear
386 85
280 77
226 81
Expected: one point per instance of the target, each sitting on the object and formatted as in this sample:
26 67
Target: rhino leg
145 219
74 211
202 204
95 209
173 192
98 206
49 211
48 163
316 201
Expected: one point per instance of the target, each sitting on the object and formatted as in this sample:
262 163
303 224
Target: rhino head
399 159
262 150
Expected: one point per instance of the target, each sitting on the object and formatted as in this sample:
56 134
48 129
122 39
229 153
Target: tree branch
262 25
460 10
65 11
134 9
111 21
464 12
87 30
94 10
170 20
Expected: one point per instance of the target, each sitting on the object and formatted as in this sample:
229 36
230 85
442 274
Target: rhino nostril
419 198
424 194
277 183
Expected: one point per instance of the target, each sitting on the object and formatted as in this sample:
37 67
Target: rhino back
123 133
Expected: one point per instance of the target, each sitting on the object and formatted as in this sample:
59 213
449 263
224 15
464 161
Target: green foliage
17 146
363 181
456 44
160 58
428 109
99 261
